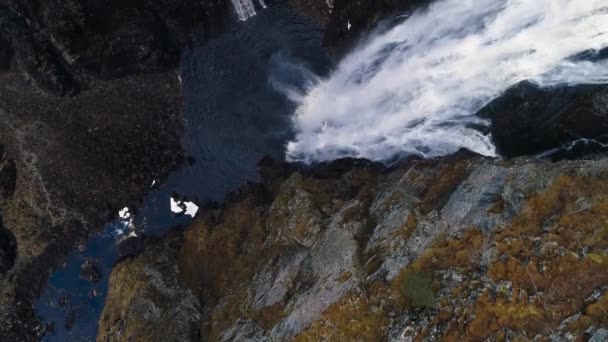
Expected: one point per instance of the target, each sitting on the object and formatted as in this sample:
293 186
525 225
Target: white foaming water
245 9
416 87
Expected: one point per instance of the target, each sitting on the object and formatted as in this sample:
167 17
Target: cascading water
415 88
245 9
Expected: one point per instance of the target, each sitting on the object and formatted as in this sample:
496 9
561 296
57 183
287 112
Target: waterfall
415 88
245 9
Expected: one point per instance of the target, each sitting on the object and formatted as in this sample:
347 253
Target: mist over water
415 88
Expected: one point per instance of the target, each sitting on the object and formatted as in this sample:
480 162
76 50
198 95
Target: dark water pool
233 117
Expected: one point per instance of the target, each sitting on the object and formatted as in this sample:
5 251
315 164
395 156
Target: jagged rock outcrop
62 45
531 120
152 303
454 248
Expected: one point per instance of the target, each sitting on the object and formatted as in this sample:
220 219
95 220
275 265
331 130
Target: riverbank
77 162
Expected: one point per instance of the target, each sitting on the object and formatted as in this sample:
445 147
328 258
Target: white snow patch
175 208
185 208
191 209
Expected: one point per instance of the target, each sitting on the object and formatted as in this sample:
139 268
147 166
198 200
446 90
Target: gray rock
601 335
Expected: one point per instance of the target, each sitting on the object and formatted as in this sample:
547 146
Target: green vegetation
417 287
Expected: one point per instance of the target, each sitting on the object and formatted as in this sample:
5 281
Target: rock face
69 165
61 45
150 300
455 248
530 120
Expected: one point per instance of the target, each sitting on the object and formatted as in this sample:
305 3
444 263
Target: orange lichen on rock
450 251
354 318
228 247
555 250
217 260
442 186
495 312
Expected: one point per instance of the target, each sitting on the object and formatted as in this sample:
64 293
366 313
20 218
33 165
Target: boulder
531 120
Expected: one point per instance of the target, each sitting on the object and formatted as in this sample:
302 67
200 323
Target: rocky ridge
455 248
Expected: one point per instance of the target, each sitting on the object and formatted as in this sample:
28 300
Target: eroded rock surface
455 248
152 303
62 45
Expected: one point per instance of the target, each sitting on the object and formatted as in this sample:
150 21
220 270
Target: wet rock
70 319
530 120
64 300
93 293
90 271
129 247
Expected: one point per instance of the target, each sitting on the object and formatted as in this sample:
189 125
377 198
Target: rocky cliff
455 248
68 165
62 45
459 247
90 115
